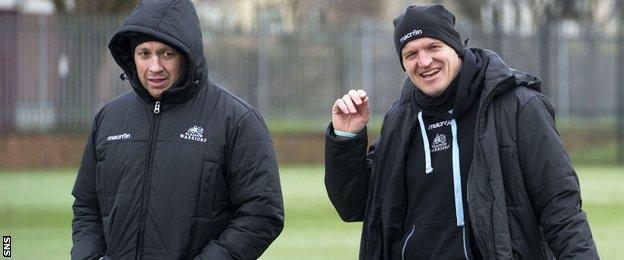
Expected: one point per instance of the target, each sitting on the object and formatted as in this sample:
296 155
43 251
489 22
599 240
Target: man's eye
168 54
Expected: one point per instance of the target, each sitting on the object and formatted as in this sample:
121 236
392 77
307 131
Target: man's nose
424 60
155 65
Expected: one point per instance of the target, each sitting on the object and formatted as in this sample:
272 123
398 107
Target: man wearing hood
178 168
468 164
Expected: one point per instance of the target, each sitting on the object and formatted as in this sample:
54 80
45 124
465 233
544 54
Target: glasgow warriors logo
194 133
439 143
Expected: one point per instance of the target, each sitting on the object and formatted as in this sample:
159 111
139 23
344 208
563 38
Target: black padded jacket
192 175
522 191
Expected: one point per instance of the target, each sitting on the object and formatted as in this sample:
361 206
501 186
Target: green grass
595 155
35 208
603 200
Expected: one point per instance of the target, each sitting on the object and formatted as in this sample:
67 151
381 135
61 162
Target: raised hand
350 113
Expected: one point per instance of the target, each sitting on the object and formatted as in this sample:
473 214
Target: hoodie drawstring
459 206
423 133
457 188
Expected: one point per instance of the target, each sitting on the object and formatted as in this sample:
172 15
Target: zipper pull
157 107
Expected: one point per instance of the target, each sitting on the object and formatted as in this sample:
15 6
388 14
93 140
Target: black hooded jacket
522 192
192 175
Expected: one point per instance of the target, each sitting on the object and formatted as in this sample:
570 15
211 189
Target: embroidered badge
439 143
194 133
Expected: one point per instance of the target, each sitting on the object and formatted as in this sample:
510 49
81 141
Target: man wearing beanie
178 167
468 164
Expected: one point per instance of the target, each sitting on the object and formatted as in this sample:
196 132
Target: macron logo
410 35
118 137
194 133
439 124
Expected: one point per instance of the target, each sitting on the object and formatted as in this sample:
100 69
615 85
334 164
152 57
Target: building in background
23 109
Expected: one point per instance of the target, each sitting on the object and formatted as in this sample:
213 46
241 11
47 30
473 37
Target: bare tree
95 6
359 8
333 12
547 14
471 9
557 10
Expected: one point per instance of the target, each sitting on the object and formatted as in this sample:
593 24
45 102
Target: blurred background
291 59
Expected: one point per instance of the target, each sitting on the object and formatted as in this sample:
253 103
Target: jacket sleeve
87 232
347 173
255 194
552 183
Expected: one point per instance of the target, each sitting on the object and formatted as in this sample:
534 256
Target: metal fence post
563 70
262 93
43 112
367 57
619 87
544 49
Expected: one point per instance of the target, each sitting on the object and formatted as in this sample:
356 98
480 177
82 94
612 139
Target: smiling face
158 66
430 64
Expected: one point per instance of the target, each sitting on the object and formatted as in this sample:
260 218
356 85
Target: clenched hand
350 113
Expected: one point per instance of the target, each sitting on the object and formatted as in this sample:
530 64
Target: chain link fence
56 71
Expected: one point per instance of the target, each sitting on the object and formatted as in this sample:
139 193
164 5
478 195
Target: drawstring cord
423 133
459 206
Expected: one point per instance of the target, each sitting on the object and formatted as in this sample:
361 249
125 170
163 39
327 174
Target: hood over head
172 22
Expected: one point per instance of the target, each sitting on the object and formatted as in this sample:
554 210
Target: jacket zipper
407 240
146 183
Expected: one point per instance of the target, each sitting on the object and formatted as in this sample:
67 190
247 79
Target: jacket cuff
344 134
331 137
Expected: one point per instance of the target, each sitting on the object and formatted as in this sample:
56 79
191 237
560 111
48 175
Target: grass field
35 209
